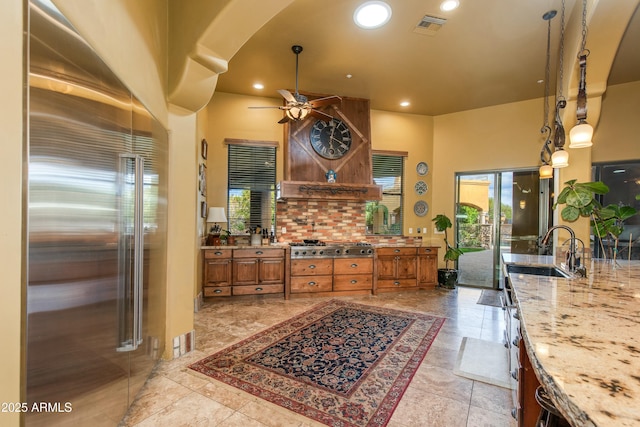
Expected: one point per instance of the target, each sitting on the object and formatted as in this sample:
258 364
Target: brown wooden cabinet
396 268
311 275
258 271
246 271
353 274
217 272
427 267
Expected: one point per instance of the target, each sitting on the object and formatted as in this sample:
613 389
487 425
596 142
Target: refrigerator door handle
131 213
138 251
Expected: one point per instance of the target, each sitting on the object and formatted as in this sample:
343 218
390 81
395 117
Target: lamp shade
560 159
581 134
546 172
216 215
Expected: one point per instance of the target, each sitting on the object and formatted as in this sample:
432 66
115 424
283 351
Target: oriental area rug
340 363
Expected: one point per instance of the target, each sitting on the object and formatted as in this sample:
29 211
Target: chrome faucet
573 262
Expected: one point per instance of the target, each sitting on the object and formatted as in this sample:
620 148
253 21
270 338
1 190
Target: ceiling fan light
581 134
372 14
297 113
560 159
546 172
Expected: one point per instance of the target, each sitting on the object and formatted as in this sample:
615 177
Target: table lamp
216 216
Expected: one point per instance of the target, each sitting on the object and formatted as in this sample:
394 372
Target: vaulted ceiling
487 52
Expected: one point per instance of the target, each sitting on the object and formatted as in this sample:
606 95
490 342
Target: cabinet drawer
353 266
257 289
217 253
308 267
217 291
428 251
302 284
399 283
349 282
396 251
258 253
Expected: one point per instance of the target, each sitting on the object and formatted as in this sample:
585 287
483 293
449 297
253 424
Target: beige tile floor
177 396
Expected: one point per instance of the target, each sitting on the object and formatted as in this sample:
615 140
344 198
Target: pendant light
546 171
581 134
560 158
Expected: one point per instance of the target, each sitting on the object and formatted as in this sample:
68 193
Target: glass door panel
496 213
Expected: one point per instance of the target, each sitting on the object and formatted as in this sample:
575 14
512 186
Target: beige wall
616 136
414 134
11 249
130 36
493 138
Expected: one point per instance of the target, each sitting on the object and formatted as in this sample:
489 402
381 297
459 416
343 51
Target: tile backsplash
329 221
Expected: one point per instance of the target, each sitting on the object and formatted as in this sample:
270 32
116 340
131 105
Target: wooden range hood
305 170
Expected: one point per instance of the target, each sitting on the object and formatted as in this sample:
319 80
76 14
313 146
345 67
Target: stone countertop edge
286 245
586 364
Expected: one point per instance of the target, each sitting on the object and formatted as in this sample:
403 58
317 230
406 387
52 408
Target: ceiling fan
298 106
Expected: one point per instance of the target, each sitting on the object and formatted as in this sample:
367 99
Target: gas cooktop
318 249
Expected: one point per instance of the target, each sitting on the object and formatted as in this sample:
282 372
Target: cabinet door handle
396 283
311 283
516 315
514 414
259 252
353 282
217 291
514 374
397 251
217 253
258 289
312 266
515 342
354 265
427 250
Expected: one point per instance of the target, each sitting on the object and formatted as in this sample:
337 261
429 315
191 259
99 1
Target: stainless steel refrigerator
96 232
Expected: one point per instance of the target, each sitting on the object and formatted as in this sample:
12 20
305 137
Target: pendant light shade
560 159
581 134
546 172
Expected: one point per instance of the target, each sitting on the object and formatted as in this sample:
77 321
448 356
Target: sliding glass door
497 212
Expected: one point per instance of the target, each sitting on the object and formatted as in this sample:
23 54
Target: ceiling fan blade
288 96
283 120
321 102
320 115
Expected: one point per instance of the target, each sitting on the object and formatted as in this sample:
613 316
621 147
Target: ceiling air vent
429 25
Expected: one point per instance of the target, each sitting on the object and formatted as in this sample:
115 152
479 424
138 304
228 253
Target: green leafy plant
442 223
606 221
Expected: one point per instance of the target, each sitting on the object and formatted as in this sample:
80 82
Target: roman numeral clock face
331 139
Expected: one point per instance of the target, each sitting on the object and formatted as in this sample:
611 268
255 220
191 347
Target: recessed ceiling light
349 76
258 86
372 14
449 5
405 103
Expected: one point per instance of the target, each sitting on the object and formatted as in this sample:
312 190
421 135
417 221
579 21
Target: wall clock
330 139
422 168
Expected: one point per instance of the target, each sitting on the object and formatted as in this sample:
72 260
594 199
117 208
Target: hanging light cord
545 154
559 136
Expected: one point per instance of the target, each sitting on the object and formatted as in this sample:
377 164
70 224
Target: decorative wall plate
422 168
421 188
421 208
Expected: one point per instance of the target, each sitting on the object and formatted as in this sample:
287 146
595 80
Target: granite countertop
582 336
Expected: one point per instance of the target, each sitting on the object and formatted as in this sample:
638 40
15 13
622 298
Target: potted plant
606 221
447 277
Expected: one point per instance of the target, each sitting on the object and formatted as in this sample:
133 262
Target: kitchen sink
537 270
